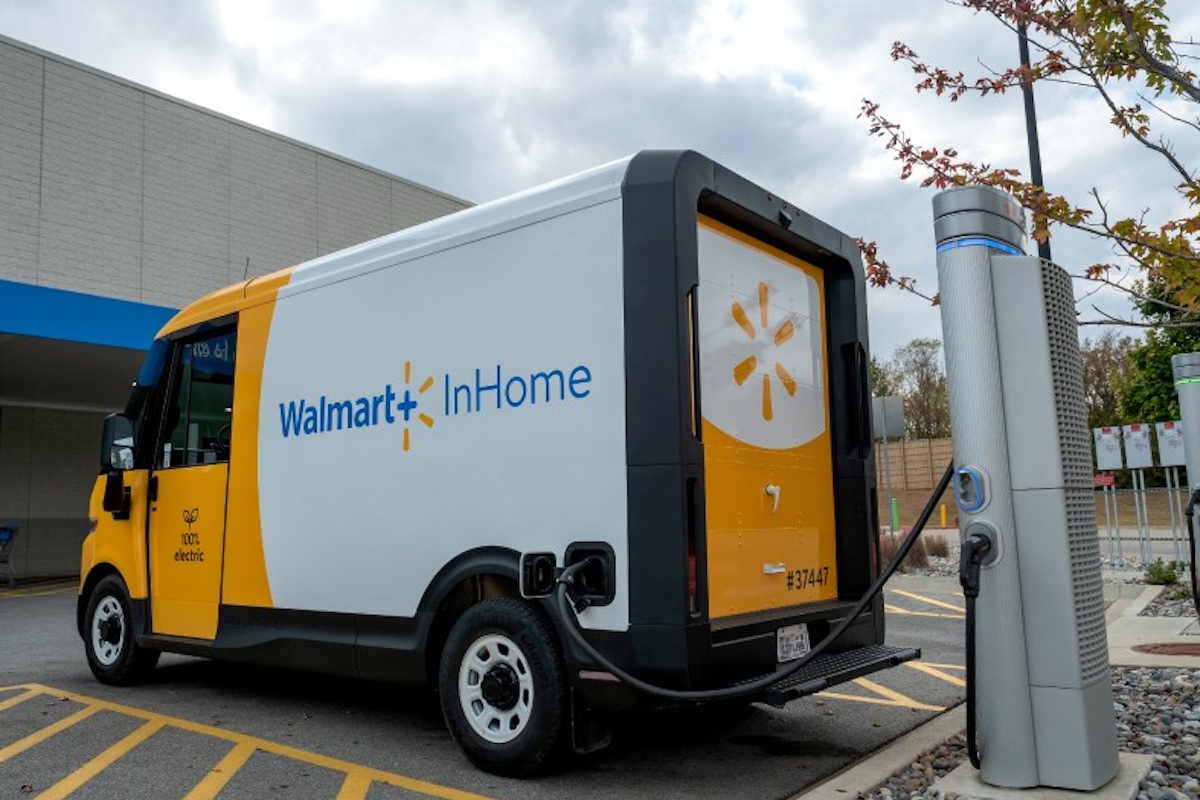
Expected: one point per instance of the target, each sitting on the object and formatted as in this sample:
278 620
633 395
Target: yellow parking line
886 697
45 733
932 669
929 600
212 783
8 593
905 611
94 767
316 759
355 787
12 701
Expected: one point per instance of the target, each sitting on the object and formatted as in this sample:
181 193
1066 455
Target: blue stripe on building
27 310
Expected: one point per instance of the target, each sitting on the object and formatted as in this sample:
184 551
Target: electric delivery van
378 463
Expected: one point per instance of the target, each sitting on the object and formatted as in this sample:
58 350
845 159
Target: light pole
1031 131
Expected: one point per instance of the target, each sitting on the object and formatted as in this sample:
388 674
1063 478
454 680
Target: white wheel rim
500 657
108 613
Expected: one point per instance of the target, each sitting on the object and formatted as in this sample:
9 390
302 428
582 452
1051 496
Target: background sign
1170 444
1108 448
1137 446
887 416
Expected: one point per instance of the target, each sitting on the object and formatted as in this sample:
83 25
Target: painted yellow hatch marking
97 765
212 783
357 783
881 695
939 671
925 599
898 610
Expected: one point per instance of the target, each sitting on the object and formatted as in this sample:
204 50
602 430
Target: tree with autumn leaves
1126 52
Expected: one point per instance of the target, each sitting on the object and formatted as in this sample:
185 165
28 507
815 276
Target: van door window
198 415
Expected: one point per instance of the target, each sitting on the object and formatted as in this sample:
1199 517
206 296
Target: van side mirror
116 456
116 444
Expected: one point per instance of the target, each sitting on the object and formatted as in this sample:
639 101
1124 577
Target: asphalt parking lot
203 729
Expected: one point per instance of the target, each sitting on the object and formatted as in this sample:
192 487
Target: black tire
503 687
112 652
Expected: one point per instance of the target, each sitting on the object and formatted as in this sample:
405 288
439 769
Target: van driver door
188 486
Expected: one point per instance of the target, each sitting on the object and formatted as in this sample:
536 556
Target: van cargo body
655 365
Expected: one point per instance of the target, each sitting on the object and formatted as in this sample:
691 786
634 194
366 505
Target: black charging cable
976 547
571 623
1191 507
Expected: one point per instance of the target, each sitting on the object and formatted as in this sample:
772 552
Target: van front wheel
503 687
112 653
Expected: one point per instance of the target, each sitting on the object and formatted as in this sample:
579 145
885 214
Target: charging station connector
977 545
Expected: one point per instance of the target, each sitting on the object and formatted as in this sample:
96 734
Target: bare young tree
1138 68
1105 365
921 380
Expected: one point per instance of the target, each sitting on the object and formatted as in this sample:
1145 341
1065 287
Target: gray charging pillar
969 224
1186 368
1023 473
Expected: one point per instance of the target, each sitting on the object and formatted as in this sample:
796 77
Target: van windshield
148 377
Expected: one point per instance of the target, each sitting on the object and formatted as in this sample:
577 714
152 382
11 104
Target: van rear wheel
112 652
503 687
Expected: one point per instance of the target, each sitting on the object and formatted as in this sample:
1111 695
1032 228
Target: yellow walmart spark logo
409 404
743 370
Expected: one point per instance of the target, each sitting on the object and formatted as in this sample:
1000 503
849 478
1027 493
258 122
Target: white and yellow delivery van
655 365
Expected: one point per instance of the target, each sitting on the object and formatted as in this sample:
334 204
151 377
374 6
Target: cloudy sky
489 97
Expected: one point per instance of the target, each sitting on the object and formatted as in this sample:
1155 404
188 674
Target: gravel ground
1157 712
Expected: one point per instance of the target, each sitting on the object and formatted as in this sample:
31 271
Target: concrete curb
896 756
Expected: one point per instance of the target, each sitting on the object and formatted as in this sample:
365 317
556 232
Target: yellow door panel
187 534
120 542
764 554
768 461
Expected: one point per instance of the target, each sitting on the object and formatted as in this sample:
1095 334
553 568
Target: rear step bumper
828 670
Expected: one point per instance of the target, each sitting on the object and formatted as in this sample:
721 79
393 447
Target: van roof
583 189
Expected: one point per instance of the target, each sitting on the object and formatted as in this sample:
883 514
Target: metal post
1108 525
1117 523
1172 493
1031 130
1137 509
887 467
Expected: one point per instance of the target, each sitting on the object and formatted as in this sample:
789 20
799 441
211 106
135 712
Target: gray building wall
109 188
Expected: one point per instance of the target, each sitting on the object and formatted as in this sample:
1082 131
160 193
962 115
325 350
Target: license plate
791 642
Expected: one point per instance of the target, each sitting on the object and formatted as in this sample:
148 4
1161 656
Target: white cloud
489 97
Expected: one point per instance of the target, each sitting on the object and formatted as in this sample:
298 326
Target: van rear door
768 463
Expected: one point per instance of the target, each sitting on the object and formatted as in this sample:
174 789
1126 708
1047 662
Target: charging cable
976 546
571 622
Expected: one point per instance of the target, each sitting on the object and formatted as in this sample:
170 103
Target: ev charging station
1185 368
1043 710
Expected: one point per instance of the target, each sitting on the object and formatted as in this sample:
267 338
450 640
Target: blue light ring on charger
980 241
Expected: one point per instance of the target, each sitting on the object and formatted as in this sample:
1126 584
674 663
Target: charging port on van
596 583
